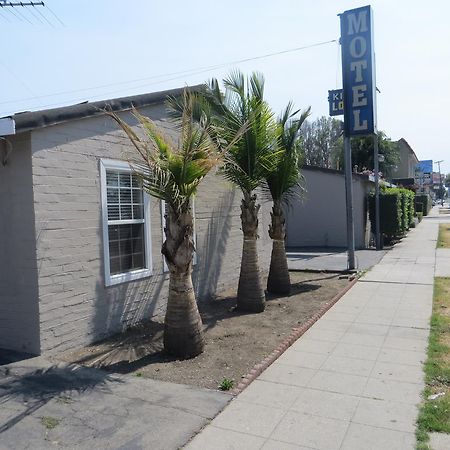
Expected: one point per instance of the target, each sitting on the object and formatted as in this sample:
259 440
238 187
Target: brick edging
296 333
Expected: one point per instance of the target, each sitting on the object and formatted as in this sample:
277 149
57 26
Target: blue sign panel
425 166
336 102
358 72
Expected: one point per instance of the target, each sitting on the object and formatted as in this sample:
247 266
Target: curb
296 333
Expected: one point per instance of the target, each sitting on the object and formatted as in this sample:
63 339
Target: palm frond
284 182
172 171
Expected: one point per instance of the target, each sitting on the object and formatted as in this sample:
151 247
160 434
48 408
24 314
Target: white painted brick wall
19 316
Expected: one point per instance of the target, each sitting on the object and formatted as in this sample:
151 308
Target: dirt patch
235 341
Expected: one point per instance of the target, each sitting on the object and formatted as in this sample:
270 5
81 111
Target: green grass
49 422
444 236
434 415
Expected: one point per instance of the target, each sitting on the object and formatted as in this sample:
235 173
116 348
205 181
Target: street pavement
354 380
330 259
47 406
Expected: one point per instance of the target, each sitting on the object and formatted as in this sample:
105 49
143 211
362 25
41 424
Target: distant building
407 161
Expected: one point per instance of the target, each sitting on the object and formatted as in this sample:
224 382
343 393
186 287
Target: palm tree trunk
250 296
278 281
183 330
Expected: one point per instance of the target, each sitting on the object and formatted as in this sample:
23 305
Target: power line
24 16
174 75
43 16
54 15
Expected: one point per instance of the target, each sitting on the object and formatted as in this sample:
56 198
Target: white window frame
163 224
111 280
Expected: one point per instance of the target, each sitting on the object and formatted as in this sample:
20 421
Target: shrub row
396 212
422 203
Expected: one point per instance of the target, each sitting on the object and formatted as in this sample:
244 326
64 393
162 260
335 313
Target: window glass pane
137 196
114 265
137 245
126 251
138 212
125 201
138 260
112 178
125 231
113 212
137 230
125 247
125 195
126 263
125 212
112 195
124 179
113 231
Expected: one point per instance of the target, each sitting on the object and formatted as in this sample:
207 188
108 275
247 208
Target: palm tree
172 172
246 165
283 183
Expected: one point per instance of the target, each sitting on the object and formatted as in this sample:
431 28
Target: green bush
407 208
391 215
425 199
419 216
418 206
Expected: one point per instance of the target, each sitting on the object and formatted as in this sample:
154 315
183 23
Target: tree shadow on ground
35 389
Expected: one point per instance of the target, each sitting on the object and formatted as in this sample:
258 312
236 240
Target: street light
441 190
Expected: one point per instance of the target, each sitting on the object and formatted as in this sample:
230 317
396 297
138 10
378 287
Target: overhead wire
43 16
22 15
173 75
54 15
30 10
11 11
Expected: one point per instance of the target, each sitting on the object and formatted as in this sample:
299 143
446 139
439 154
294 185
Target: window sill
128 276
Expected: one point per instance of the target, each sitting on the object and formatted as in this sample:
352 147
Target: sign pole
377 193
349 204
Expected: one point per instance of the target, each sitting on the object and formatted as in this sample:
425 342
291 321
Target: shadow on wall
119 307
210 256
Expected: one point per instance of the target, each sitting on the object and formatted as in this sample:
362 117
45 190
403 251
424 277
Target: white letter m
357 23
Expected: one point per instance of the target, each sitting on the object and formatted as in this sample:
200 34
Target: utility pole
351 264
377 193
441 189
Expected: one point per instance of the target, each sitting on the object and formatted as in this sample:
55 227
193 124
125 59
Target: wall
19 315
319 219
75 306
407 161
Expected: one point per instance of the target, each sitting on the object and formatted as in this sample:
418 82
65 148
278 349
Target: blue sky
111 42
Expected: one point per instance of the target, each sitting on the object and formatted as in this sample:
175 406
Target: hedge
425 199
391 220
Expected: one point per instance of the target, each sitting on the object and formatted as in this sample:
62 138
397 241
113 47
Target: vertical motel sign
358 72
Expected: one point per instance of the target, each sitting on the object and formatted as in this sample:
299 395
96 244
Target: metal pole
349 204
377 193
441 193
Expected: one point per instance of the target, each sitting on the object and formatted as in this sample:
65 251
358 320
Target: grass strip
434 414
444 236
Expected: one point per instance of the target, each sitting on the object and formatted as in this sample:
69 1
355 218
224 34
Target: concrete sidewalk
46 406
353 381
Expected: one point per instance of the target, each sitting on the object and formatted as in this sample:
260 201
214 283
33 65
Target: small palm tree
172 172
246 165
283 183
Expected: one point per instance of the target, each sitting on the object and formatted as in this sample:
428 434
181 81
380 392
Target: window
163 222
126 224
